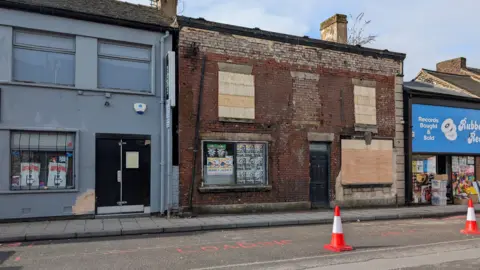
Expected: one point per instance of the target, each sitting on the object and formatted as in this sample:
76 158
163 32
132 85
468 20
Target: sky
428 31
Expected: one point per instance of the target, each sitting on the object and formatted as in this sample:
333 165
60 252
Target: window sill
13 192
367 185
64 87
236 120
366 128
239 188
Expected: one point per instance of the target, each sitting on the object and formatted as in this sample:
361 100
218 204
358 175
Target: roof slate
430 88
474 70
462 81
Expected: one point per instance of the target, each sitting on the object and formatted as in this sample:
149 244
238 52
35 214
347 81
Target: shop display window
42 160
424 170
235 163
463 179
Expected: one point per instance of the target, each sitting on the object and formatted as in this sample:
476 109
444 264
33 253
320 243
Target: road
401 244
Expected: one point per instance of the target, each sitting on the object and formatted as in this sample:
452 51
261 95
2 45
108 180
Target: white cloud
427 31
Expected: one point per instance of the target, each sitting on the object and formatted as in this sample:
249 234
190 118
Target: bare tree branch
356 31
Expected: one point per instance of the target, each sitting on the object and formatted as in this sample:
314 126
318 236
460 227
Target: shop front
444 149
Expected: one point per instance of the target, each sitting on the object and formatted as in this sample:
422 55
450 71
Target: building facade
85 109
272 121
443 161
453 74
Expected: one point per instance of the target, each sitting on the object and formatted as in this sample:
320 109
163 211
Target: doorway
122 174
319 174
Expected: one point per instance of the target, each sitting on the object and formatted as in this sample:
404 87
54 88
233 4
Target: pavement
414 244
71 229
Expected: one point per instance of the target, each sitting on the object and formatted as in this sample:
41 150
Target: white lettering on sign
465 125
428 120
471 125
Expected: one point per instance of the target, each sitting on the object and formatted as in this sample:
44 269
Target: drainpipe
162 118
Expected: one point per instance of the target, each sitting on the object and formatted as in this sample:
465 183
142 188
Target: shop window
43 58
424 169
234 163
124 67
42 160
463 179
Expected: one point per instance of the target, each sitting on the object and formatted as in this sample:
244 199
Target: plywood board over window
365 105
236 93
367 164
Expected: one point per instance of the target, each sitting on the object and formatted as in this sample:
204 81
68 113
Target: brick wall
454 66
298 89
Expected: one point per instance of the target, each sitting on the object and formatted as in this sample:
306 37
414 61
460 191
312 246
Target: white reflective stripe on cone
471 214
337 225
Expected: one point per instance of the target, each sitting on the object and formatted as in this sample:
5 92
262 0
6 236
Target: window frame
127 59
75 162
235 143
44 49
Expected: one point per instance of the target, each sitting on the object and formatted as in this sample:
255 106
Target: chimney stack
453 65
168 7
335 29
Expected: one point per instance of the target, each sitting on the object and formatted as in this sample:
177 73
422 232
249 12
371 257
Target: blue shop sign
437 129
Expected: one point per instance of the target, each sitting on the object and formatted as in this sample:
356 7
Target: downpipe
162 118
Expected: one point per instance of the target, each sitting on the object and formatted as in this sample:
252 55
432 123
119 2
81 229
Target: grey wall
80 108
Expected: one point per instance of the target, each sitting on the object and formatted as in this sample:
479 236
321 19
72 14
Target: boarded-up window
365 105
367 164
236 95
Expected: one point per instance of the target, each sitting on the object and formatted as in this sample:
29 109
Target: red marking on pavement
17 259
241 245
398 233
15 244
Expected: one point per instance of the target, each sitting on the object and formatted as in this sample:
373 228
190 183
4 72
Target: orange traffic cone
338 242
471 225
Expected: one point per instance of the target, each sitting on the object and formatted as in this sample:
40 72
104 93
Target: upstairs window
365 105
43 58
124 67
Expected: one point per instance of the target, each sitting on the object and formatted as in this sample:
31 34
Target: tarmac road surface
400 244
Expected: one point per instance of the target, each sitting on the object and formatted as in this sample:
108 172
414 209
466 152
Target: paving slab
154 225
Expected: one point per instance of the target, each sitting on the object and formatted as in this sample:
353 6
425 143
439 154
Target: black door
136 177
122 173
319 174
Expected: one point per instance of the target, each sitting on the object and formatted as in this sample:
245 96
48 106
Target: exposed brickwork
298 90
454 66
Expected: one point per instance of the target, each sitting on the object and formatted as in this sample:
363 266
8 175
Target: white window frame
266 157
43 49
129 59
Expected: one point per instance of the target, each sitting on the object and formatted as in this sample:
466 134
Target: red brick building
287 122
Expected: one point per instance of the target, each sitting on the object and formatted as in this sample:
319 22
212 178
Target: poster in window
432 165
420 166
470 160
250 163
455 165
29 174
216 150
57 173
220 166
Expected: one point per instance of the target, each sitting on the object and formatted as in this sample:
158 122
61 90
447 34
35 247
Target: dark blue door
319 174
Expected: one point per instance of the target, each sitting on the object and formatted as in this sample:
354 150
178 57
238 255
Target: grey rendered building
85 108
